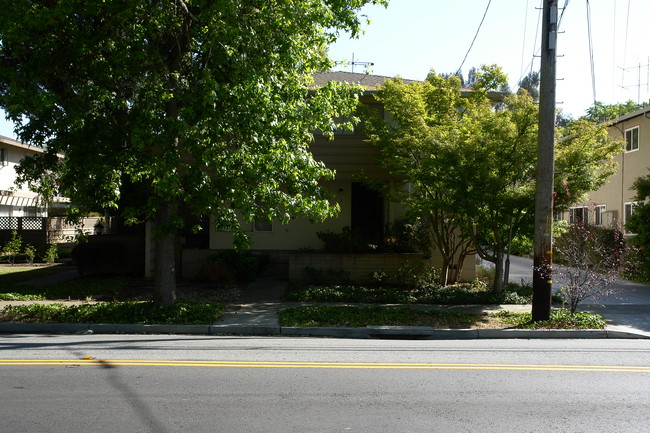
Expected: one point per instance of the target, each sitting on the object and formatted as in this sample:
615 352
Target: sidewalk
256 313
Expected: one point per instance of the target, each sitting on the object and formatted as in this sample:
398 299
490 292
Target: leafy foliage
474 293
11 248
472 162
348 316
163 106
601 112
145 313
560 319
593 261
639 224
230 266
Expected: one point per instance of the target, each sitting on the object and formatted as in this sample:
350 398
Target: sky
411 37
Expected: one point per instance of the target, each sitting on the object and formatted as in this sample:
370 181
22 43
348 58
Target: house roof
645 111
14 143
370 82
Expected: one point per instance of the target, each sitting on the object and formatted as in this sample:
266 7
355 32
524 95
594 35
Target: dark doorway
367 212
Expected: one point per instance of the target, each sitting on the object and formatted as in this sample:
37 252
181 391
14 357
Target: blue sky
411 37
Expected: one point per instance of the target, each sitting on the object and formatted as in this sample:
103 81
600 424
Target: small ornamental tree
592 260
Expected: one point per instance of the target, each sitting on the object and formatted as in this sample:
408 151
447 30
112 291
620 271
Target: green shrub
414 275
181 313
11 249
347 241
30 253
51 254
560 319
230 266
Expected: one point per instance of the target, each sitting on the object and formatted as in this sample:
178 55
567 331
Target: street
138 383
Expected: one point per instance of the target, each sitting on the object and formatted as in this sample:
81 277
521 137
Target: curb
373 332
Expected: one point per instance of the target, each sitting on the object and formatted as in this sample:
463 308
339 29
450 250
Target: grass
352 316
134 312
19 274
474 293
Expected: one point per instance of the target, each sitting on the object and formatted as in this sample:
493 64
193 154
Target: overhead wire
591 52
477 31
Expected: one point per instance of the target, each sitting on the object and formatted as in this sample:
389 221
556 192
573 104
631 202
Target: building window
263 226
629 209
578 215
632 139
3 157
599 211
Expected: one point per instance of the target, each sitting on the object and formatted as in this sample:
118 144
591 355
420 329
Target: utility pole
543 247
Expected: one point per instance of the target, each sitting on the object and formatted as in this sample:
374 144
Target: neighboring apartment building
16 201
614 202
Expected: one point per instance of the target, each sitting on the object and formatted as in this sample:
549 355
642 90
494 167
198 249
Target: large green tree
203 105
471 162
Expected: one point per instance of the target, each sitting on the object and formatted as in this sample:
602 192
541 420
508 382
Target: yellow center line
325 365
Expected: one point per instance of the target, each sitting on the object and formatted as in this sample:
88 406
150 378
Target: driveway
627 310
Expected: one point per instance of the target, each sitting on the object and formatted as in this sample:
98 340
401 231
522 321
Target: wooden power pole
542 272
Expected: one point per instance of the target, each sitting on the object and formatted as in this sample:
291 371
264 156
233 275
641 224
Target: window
599 211
3 157
578 215
263 226
632 139
629 209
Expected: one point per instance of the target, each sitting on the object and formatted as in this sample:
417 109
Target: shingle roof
370 82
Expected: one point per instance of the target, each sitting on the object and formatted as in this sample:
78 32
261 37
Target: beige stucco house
362 209
614 202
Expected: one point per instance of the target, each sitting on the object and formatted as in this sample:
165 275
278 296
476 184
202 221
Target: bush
593 260
12 248
413 275
52 253
230 266
30 253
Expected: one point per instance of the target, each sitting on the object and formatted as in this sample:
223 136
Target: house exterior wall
15 201
632 164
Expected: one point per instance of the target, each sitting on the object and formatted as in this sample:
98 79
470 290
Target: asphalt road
163 384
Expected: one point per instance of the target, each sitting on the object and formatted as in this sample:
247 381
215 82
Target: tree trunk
165 258
497 287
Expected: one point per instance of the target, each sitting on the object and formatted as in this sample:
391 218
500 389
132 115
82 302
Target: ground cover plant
476 292
79 289
351 316
133 312
354 316
560 319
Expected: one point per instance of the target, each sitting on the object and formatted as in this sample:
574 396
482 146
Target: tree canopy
471 161
601 112
202 105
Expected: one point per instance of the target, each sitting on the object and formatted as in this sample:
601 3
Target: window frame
585 214
599 211
630 141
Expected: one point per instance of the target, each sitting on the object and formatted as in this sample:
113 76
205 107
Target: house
363 210
614 202
24 211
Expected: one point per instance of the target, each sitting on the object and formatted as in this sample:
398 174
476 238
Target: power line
474 40
591 52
